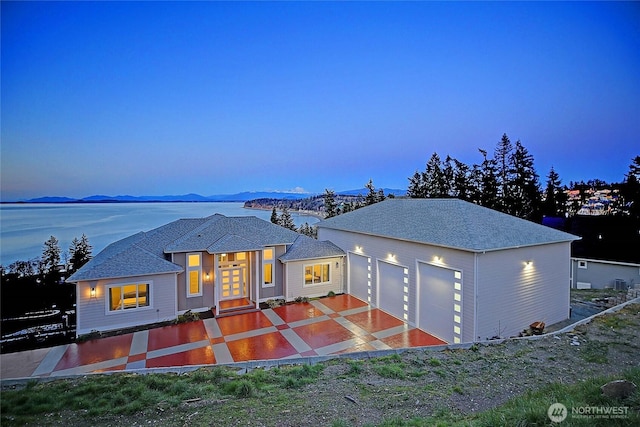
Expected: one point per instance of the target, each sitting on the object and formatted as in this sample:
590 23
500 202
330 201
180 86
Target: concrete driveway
330 325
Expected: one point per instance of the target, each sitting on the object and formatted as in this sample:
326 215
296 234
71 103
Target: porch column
216 288
258 255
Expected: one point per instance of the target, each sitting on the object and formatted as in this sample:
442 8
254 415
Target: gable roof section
239 233
448 223
144 253
124 258
307 248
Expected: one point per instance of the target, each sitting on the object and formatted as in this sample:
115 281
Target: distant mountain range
238 197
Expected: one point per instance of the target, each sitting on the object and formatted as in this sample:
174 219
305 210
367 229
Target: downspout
475 297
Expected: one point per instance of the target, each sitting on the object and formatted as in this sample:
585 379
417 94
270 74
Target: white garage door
391 288
359 276
440 302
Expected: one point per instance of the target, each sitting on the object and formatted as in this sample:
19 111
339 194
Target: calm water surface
25 227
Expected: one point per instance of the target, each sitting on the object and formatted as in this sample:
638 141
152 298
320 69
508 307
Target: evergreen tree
487 182
274 216
80 252
462 186
330 206
308 230
434 179
630 188
373 196
504 170
523 187
554 196
417 189
286 220
51 258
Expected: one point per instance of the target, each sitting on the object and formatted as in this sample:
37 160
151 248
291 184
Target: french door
233 283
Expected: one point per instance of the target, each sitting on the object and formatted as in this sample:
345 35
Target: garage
393 289
359 276
440 302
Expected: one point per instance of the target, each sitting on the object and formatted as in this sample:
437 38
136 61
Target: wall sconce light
528 264
93 292
358 249
206 276
437 259
391 257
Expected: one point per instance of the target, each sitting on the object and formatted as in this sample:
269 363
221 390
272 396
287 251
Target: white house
457 270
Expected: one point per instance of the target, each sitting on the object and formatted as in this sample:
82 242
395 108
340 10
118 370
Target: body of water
25 227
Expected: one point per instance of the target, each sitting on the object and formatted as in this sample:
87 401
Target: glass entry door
233 283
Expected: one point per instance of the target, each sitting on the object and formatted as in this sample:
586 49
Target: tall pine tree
524 188
330 206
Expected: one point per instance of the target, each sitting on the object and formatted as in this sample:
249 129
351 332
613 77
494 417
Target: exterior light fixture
358 249
437 259
528 264
207 276
93 292
391 257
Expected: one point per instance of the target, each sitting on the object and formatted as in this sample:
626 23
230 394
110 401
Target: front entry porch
231 307
235 290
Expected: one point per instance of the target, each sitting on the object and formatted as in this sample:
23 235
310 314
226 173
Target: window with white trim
194 274
316 274
267 267
128 297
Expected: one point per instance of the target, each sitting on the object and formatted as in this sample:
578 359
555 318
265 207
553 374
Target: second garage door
391 289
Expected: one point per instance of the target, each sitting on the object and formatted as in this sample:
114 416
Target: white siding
512 295
295 286
408 254
92 311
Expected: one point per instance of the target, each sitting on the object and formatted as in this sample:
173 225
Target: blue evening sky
151 98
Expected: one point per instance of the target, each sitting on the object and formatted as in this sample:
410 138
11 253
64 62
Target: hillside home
218 263
454 269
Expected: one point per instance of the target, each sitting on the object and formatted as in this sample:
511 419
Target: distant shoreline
315 214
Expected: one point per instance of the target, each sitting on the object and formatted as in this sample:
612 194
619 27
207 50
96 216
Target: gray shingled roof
307 248
446 222
255 232
124 258
144 253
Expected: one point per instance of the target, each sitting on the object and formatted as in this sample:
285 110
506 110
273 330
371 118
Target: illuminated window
316 274
194 275
129 296
267 267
